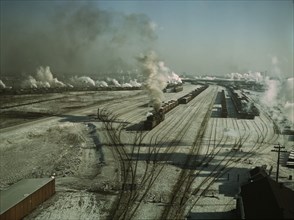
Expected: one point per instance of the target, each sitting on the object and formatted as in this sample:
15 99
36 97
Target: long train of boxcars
155 117
173 88
224 113
244 108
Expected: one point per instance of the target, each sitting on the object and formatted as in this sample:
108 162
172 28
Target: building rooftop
19 191
265 198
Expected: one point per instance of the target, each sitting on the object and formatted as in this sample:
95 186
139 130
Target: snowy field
190 165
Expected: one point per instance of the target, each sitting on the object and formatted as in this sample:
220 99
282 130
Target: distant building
264 198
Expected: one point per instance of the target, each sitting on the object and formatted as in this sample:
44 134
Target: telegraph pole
278 149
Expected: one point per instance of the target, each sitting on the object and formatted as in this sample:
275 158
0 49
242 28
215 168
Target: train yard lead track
183 192
183 184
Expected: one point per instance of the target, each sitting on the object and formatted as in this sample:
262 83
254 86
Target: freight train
173 88
155 117
244 108
224 113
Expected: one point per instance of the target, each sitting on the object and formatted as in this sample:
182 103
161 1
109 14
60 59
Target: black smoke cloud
74 40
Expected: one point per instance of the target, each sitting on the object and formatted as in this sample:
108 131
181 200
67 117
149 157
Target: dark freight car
187 98
224 112
178 88
244 108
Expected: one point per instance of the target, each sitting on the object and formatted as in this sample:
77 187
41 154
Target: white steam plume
43 79
2 85
279 99
134 83
82 81
249 76
270 96
279 96
113 82
116 83
126 85
156 79
171 76
288 90
101 83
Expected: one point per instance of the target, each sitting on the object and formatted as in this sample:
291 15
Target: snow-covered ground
75 147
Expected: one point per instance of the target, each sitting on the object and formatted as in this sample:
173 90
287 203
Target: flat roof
19 191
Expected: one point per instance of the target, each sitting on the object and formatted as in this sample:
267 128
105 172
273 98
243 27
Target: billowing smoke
43 79
82 81
73 38
113 82
172 77
101 83
126 85
279 96
249 76
288 90
157 76
271 94
134 83
155 81
279 99
116 83
2 85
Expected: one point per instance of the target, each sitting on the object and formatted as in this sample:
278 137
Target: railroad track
184 181
160 148
255 148
155 168
259 145
191 177
218 171
170 147
127 169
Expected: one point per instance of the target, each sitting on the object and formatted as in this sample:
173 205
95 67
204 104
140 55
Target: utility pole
278 149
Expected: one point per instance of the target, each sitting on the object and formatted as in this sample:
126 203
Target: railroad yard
108 165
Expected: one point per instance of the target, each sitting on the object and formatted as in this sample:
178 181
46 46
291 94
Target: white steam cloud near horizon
45 79
249 76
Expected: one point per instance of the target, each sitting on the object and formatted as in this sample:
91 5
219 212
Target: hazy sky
197 37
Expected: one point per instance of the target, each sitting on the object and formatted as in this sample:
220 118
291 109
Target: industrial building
24 196
264 198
